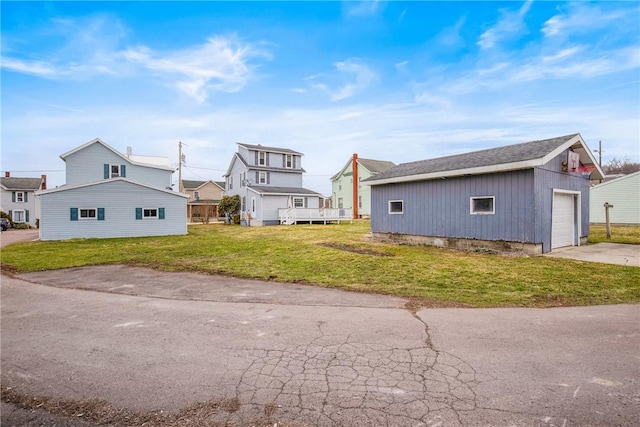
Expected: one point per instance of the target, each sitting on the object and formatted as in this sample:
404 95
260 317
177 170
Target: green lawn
342 256
629 234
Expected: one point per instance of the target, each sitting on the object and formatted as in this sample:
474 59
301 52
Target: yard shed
531 197
115 207
624 194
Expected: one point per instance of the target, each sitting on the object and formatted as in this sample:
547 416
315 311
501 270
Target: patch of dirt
354 249
100 412
415 304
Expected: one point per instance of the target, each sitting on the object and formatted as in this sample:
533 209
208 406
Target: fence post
606 216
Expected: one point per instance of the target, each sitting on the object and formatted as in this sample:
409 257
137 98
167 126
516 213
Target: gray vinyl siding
548 178
119 200
32 205
87 165
441 208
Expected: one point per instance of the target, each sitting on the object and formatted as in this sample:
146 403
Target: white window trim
288 161
395 201
262 177
298 199
81 218
196 195
253 205
493 204
18 195
111 171
13 216
150 217
262 158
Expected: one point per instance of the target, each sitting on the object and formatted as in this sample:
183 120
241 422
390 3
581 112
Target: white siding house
17 198
623 193
267 179
111 208
108 194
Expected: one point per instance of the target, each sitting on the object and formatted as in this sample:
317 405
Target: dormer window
196 194
289 161
262 158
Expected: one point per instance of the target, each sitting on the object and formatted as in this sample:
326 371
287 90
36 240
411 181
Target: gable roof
294 191
526 155
194 185
154 162
616 180
107 181
373 166
269 149
11 183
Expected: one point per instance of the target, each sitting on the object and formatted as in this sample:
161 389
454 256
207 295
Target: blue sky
397 81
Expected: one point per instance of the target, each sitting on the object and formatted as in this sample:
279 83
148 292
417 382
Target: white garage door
563 223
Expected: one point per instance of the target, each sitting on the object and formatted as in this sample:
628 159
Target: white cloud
37 68
511 24
221 64
358 77
362 8
584 18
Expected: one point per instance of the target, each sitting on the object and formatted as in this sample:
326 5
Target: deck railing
324 215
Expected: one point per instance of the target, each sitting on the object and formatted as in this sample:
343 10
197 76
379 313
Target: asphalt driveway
184 348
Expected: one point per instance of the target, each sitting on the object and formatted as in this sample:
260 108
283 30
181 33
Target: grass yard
342 256
629 234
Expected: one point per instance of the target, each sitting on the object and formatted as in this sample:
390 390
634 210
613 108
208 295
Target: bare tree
624 166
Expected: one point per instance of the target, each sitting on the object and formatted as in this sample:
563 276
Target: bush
20 226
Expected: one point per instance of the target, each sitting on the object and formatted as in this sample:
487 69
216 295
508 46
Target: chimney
7 174
44 182
356 184
129 151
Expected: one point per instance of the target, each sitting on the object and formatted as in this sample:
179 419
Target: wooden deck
310 215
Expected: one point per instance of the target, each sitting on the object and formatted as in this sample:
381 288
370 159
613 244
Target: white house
17 198
267 179
109 194
623 193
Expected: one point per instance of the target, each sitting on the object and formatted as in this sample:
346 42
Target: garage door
563 223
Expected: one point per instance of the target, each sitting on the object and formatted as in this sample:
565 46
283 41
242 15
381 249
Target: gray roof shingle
264 189
11 183
376 166
270 149
489 157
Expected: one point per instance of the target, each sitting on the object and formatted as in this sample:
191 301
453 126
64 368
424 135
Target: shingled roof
269 149
510 157
11 183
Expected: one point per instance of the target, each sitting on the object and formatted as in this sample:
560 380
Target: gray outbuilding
531 197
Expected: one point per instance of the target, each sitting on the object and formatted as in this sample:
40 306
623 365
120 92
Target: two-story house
204 199
267 179
109 194
356 196
17 198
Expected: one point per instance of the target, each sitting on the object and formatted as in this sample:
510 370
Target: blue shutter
26 199
13 196
26 215
160 213
123 171
100 214
74 214
138 213
107 173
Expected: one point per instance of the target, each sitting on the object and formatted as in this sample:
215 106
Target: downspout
354 165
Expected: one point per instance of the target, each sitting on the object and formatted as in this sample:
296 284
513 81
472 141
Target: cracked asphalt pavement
296 355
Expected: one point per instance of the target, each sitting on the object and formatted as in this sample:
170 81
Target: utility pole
356 183
180 186
599 151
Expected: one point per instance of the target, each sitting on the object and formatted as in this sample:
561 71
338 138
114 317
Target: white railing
295 215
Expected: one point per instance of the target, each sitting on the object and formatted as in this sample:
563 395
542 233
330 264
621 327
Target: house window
262 158
88 213
262 177
115 171
289 161
359 201
396 207
20 197
482 205
339 185
253 204
340 203
298 202
150 213
196 195
18 216
230 183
